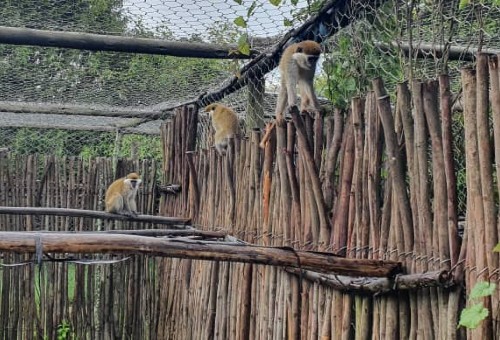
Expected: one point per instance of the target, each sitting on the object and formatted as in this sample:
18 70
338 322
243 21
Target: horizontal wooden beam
81 110
371 285
428 50
100 42
178 222
129 128
170 233
22 242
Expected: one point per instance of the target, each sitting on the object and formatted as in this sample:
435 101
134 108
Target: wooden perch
429 50
130 244
170 233
82 110
378 285
100 42
172 221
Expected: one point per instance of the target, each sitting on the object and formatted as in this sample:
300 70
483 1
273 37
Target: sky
186 17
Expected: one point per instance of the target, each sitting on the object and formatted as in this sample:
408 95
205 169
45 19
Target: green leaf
239 21
275 2
497 247
295 2
243 45
482 289
472 316
239 2
252 8
463 3
287 22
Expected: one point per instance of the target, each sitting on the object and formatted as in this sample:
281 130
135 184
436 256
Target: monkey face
306 61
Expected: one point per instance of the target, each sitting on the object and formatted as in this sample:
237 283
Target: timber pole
22 242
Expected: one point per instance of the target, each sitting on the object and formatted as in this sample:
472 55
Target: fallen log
22 242
371 285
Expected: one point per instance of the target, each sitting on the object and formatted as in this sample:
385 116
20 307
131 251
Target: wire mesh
397 40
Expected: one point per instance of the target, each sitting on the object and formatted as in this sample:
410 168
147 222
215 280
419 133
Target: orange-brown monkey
121 194
297 67
225 123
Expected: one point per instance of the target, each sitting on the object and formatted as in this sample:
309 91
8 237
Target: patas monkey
297 67
225 123
121 195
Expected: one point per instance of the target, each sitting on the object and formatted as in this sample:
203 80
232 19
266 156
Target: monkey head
133 180
307 54
211 108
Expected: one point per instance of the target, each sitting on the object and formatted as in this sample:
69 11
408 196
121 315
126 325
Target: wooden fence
98 301
376 182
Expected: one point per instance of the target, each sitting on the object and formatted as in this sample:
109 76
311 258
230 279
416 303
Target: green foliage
497 248
275 2
240 22
472 316
243 42
465 3
482 289
64 331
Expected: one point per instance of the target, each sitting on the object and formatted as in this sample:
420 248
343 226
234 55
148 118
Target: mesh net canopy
363 39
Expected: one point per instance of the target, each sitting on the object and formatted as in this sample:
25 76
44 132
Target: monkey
225 123
297 67
121 194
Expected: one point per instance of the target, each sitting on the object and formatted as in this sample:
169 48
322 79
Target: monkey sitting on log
121 195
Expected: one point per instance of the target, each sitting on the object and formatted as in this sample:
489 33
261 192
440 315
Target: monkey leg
114 204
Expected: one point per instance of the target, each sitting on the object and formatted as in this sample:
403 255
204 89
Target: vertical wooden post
255 108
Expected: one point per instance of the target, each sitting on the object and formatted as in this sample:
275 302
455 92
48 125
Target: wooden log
100 42
476 252
168 232
331 159
378 286
451 181
269 152
313 174
493 65
422 50
395 164
179 221
485 162
440 205
111 243
81 110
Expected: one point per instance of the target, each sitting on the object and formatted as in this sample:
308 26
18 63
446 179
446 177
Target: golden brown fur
121 195
225 123
297 67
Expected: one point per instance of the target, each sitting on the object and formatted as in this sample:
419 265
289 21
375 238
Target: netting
397 40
